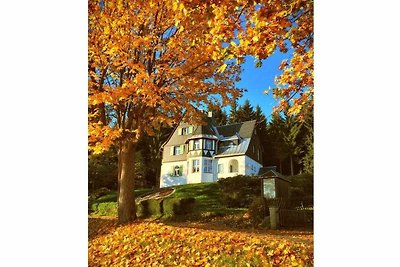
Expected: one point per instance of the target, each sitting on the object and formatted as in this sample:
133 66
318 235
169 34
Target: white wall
167 180
226 161
246 166
201 177
252 167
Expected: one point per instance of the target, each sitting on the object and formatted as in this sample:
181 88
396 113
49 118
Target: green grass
107 205
207 205
208 201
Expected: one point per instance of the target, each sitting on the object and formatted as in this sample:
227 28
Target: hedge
239 191
178 206
149 208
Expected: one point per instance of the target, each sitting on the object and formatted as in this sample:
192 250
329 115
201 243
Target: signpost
275 188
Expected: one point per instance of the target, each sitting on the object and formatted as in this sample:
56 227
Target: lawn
207 196
145 243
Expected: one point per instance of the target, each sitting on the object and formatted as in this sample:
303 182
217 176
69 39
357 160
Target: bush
302 185
258 210
104 208
239 191
149 208
178 206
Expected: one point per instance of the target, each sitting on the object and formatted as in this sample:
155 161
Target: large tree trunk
126 181
291 165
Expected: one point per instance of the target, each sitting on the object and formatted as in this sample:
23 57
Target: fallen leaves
157 244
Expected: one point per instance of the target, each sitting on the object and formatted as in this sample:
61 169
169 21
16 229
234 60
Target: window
187 130
177 150
207 165
196 165
233 165
196 144
220 168
208 144
177 171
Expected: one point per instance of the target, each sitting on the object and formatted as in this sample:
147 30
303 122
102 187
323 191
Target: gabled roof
235 149
206 128
266 172
244 129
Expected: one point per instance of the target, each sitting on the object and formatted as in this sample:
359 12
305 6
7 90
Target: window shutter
172 171
182 149
181 170
190 129
179 131
191 145
172 151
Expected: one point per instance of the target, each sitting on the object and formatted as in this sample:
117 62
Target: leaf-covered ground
146 243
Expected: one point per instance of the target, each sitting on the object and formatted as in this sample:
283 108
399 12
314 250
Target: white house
206 153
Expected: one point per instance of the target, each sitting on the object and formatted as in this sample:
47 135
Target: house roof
243 132
241 148
266 172
244 129
205 129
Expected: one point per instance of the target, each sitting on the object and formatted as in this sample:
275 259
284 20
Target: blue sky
256 80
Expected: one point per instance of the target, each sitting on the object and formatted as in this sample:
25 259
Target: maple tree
283 25
148 62
151 60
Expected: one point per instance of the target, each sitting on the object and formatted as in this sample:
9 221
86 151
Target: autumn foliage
157 244
151 60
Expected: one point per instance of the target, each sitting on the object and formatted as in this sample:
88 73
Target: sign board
269 189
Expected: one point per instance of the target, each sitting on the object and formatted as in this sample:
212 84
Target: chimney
210 114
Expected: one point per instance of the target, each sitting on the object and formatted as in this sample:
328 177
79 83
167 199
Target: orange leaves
156 244
149 60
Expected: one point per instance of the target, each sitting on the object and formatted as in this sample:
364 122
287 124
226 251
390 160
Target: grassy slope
107 205
207 197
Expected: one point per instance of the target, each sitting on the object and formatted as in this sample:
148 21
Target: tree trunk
280 166
291 165
126 197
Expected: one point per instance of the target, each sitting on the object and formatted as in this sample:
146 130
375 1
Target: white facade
222 167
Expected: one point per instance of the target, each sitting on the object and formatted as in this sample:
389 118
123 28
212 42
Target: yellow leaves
107 30
222 68
155 244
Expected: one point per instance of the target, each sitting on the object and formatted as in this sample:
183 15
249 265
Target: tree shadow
98 226
301 234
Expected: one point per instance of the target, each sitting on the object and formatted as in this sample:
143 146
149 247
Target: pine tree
245 112
220 117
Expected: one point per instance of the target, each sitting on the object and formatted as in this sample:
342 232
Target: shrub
258 210
302 185
178 206
149 208
239 191
104 208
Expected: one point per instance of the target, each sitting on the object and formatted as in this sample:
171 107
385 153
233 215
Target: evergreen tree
233 113
290 133
308 158
219 115
275 143
245 112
